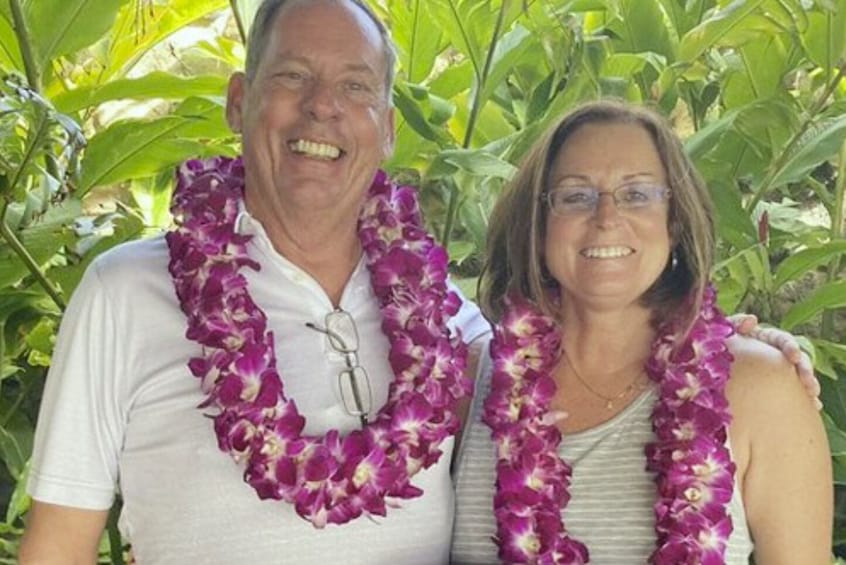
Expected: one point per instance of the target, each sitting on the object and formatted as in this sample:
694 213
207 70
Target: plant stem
779 163
838 232
238 21
31 67
28 260
475 108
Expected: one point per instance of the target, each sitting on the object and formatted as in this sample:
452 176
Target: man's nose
322 101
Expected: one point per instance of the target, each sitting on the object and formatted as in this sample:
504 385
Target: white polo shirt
120 412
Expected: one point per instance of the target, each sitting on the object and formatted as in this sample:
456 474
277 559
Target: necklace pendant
609 405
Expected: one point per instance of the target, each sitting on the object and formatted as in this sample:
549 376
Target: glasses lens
341 330
572 199
355 391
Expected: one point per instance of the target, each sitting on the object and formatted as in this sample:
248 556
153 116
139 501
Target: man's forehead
296 16
300 11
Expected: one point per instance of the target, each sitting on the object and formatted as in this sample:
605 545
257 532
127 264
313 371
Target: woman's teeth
607 252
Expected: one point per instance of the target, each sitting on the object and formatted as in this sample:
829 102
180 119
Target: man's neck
326 248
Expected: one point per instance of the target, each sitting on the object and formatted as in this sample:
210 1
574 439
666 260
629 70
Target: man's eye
357 86
293 76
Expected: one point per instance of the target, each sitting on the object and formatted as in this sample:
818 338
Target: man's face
315 119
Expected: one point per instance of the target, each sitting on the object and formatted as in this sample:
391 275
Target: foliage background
101 98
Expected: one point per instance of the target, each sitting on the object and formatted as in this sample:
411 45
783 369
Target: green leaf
836 436
15 445
642 28
60 27
19 502
833 397
721 28
829 357
822 142
759 68
512 49
800 263
122 228
704 140
130 38
409 100
133 149
734 223
43 239
825 37
10 53
473 161
40 340
157 84
828 296
416 36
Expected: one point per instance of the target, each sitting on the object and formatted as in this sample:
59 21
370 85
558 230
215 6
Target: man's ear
235 94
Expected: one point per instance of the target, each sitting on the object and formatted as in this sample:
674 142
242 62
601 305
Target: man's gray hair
263 22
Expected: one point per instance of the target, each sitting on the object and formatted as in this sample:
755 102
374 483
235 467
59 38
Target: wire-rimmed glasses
579 200
353 382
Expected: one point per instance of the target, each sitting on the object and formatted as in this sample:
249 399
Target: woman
597 277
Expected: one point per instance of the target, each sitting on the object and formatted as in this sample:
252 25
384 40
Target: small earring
674 260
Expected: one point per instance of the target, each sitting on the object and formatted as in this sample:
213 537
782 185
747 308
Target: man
121 405
120 408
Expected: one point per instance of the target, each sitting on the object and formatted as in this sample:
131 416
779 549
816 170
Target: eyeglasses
353 382
579 200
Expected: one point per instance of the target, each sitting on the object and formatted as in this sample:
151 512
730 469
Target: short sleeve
80 425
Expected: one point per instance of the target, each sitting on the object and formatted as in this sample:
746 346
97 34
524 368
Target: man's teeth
314 149
607 252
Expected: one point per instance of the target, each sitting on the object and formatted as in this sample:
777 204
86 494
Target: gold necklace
609 400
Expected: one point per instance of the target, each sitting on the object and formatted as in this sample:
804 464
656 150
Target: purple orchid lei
693 467
329 478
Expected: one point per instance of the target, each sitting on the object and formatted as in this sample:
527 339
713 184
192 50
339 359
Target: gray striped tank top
610 510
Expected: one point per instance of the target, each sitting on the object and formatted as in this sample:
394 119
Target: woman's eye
634 194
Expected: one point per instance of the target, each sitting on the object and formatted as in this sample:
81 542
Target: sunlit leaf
827 296
727 25
801 262
822 142
157 84
59 27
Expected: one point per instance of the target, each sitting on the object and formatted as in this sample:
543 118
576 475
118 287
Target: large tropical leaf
416 36
130 38
42 240
10 53
641 28
828 296
825 37
805 261
730 25
133 149
758 69
516 47
60 27
157 84
820 143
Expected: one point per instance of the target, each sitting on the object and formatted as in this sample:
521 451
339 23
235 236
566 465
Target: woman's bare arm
783 459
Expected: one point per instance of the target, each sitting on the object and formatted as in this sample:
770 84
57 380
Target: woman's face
606 254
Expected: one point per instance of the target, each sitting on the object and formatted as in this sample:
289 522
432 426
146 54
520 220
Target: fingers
744 324
789 347
782 340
